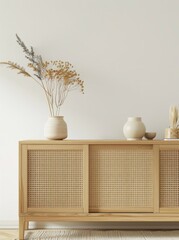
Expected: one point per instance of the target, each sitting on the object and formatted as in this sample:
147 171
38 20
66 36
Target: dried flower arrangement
173 117
173 131
56 78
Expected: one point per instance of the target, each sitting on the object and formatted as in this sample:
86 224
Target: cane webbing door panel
55 178
169 179
121 178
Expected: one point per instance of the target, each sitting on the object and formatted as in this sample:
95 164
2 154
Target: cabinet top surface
99 141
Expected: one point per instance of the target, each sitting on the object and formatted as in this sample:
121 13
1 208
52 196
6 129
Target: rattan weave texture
169 178
55 179
120 177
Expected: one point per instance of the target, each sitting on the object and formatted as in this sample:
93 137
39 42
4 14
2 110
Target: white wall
127 52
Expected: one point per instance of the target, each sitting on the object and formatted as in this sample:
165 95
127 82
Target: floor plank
8 234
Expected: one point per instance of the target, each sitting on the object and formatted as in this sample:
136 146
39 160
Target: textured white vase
134 129
55 128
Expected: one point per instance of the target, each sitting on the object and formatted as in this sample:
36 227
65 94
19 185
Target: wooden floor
8 234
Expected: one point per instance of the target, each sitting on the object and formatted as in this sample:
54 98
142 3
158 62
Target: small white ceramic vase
55 128
134 129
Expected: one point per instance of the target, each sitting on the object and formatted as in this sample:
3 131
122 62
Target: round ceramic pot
55 128
134 129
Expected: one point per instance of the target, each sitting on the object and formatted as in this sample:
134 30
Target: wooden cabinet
100 180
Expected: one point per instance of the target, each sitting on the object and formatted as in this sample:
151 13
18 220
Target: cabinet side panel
22 179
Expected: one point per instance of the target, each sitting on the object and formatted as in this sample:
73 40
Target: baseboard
97 225
9 224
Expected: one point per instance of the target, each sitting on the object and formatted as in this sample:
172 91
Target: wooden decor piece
98 180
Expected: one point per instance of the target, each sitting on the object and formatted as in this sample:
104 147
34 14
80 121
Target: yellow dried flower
56 78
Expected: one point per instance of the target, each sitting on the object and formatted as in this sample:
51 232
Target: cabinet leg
21 228
26 225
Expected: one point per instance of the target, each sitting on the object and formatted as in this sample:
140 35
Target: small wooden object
171 133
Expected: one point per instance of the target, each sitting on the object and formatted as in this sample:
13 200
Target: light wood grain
8 234
100 141
156 178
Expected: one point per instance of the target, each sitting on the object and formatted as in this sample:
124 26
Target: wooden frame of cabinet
79 180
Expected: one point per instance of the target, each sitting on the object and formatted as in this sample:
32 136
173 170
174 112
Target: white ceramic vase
134 129
55 128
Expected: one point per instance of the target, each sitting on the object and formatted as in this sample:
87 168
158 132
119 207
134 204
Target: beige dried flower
56 78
